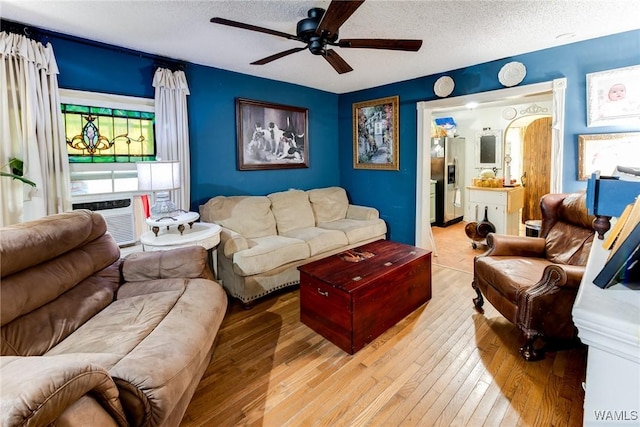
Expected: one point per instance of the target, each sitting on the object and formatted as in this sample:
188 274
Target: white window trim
106 100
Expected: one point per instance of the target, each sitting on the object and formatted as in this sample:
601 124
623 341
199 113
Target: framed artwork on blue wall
613 97
271 136
376 133
605 152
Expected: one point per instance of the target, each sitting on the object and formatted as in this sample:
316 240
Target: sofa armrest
571 274
551 299
190 262
232 242
38 390
508 245
362 212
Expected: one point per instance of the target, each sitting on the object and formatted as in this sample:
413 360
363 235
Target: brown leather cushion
574 210
569 235
568 244
510 275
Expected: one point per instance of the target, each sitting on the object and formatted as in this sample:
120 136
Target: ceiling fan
320 29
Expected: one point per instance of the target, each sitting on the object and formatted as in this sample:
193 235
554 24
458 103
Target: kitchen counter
474 187
503 206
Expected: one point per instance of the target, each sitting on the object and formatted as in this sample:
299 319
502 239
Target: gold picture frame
603 152
376 129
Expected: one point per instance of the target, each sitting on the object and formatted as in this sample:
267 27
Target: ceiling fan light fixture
319 30
306 28
317 46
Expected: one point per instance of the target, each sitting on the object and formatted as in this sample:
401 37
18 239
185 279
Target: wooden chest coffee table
353 297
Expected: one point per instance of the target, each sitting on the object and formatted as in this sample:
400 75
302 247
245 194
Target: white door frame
424 236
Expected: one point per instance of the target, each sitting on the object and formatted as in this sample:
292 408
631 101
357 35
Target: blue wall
212 125
102 69
393 193
212 118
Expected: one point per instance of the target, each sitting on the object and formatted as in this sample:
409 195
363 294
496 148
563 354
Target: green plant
17 171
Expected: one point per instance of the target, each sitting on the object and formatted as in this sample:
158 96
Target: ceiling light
471 105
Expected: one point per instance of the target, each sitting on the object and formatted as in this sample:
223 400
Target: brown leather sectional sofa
88 339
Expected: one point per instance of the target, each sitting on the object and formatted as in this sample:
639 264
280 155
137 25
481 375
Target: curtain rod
44 36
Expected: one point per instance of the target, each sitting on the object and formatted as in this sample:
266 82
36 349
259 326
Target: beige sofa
88 339
265 238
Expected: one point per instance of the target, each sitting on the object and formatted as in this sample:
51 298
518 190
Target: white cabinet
608 321
502 204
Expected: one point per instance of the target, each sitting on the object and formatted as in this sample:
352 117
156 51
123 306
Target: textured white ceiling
456 33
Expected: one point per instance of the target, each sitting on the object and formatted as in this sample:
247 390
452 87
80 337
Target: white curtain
172 128
32 130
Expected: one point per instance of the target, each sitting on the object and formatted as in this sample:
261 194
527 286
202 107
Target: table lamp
160 178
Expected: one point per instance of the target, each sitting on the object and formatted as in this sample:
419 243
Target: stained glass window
108 135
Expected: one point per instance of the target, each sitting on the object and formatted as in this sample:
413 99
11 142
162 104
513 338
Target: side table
202 234
179 220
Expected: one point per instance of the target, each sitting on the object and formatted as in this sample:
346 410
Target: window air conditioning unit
118 214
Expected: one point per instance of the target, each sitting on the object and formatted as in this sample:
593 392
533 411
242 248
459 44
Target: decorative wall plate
509 113
512 73
443 86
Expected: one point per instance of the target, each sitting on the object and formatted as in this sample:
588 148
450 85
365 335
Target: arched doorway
528 142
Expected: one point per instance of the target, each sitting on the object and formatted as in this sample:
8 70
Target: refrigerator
447 169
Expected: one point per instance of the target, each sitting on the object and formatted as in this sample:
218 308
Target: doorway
423 233
528 144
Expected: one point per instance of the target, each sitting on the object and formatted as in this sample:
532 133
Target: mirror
489 149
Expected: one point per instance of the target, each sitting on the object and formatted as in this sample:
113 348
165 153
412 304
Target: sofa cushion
510 275
292 210
34 242
37 332
136 316
357 230
319 239
178 263
569 235
568 244
249 216
44 303
267 253
329 204
164 334
30 289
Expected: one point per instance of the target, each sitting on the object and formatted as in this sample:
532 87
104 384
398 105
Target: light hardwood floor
443 365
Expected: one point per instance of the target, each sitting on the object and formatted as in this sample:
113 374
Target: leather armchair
533 281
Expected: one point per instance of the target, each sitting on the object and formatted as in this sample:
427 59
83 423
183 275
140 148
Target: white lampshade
158 176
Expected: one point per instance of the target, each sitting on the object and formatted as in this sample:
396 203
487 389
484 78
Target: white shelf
608 321
607 318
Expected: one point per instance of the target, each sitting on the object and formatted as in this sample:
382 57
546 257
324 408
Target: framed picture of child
613 97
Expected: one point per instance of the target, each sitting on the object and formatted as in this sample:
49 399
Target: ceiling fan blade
337 13
278 56
389 44
250 27
336 61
